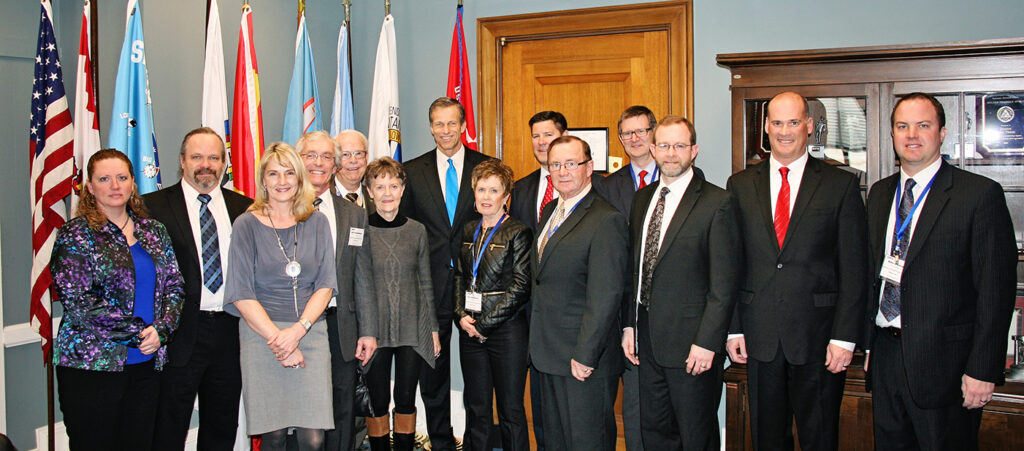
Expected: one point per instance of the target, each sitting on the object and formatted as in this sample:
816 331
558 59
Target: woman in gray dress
407 323
280 277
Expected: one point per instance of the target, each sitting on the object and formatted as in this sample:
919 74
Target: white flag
215 97
385 135
87 126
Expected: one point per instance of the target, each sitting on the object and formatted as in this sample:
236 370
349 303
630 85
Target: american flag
50 143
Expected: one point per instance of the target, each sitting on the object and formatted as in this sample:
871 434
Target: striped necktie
212 276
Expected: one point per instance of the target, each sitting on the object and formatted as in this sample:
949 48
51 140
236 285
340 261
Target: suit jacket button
779 266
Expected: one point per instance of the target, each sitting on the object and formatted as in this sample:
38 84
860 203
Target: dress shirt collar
566 204
192 195
796 168
457 159
922 177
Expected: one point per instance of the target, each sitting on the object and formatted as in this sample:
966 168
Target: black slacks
900 424
579 415
343 388
679 411
435 390
110 410
496 366
809 394
214 374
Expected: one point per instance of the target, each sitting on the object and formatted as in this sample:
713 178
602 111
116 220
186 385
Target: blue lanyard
476 234
910 215
554 227
636 185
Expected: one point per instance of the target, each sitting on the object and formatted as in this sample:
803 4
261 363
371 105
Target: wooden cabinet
853 90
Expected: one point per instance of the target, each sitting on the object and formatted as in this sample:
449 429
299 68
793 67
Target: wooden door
587 64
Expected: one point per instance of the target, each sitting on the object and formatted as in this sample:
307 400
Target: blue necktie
451 191
891 293
212 276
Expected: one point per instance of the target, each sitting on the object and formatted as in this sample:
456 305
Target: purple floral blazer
94 279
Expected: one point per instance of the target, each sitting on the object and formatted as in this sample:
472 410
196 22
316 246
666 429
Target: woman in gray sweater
405 303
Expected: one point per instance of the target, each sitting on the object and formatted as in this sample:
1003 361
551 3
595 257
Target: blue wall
175 35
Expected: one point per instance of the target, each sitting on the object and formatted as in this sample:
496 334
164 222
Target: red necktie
782 208
549 193
643 181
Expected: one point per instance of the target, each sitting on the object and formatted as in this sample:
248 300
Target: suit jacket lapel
466 198
937 197
435 190
682 212
644 198
763 191
879 222
567 225
176 200
341 228
808 186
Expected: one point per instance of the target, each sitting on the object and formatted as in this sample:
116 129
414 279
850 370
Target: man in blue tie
203 356
438 195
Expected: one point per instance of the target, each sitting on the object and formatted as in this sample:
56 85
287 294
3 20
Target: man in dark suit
676 326
438 194
803 292
203 353
635 130
531 194
348 180
579 271
940 309
351 315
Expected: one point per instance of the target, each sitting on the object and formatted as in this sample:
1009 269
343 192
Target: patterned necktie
643 180
782 208
451 191
556 220
212 276
891 293
549 193
353 197
651 245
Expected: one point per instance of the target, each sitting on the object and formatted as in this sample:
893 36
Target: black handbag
363 406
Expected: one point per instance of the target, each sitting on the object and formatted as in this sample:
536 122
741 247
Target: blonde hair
284 155
87 202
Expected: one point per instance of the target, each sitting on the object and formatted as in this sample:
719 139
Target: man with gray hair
348 180
351 316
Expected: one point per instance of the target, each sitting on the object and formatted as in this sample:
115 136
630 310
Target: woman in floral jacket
115 274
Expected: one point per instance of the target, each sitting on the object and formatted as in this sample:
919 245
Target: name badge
474 301
892 270
355 236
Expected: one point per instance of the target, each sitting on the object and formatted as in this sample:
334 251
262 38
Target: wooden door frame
676 17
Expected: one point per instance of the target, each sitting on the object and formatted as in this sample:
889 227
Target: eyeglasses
313 156
679 147
358 154
640 133
568 165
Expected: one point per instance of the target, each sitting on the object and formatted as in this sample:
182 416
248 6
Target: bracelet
305 324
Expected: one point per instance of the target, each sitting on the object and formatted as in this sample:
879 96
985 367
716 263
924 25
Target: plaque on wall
1001 125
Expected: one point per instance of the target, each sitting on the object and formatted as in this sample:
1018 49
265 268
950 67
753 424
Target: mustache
204 171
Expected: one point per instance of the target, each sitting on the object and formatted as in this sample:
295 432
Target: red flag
247 116
459 86
52 170
87 129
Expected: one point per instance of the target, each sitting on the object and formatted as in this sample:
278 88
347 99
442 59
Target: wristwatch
305 324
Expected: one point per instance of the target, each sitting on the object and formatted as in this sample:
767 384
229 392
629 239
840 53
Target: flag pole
387 7
298 15
348 11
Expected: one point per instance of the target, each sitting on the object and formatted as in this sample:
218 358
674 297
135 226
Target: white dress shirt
209 301
458 161
921 179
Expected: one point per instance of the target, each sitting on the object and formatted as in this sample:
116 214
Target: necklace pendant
293 269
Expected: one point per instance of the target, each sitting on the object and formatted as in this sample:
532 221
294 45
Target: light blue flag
131 116
342 116
302 110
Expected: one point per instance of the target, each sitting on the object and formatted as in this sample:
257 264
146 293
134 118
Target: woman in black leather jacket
492 290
